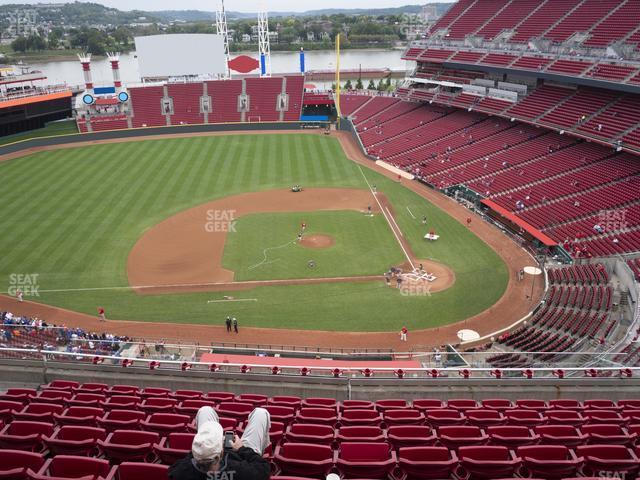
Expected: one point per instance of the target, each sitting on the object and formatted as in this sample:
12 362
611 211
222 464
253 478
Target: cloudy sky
237 5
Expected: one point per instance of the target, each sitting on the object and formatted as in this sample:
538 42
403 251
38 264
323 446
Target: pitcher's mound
317 241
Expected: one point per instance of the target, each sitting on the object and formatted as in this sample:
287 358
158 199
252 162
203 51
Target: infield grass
71 217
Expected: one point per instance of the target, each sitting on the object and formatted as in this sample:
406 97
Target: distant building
246 38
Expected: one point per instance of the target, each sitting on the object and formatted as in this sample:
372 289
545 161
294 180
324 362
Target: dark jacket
245 463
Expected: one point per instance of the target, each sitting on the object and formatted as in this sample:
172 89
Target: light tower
222 29
85 60
114 58
263 44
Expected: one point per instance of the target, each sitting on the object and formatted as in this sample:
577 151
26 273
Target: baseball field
190 230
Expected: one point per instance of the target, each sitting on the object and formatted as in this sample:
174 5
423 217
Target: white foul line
411 213
234 300
406 254
394 222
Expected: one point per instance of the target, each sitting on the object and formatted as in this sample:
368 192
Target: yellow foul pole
337 96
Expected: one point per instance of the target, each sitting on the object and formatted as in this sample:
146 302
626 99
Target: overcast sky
238 5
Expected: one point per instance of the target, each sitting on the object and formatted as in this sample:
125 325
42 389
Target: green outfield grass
72 216
264 246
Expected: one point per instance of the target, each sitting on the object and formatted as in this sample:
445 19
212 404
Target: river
70 72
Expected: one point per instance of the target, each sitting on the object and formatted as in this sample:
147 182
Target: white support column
222 29
264 44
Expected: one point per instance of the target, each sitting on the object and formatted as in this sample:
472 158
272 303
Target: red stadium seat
499 404
253 399
281 413
123 390
360 434
631 404
74 440
565 417
357 404
61 385
527 418
560 435
511 436
604 416
220 396
79 416
488 462
25 435
125 402
456 436
129 445
121 420
462 404
59 397
304 459
84 399
423 404
439 417
239 411
15 463
173 447
136 471
608 460
537 405
165 423
38 412
427 463
608 434
285 401
565 403
182 395
549 461
391 404
483 417
100 388
406 416
8 407
601 404
158 405
327 416
310 433
353 416
401 436
155 392
365 460
191 406
22 395
68 466
319 402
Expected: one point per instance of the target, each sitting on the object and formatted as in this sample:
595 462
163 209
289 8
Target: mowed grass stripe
39 240
105 207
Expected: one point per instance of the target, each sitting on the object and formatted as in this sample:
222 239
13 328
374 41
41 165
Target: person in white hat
242 460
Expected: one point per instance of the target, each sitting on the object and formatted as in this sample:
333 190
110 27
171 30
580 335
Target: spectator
209 458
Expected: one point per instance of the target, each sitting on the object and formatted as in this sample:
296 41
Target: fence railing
304 370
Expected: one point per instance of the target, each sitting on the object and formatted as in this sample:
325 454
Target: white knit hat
207 444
